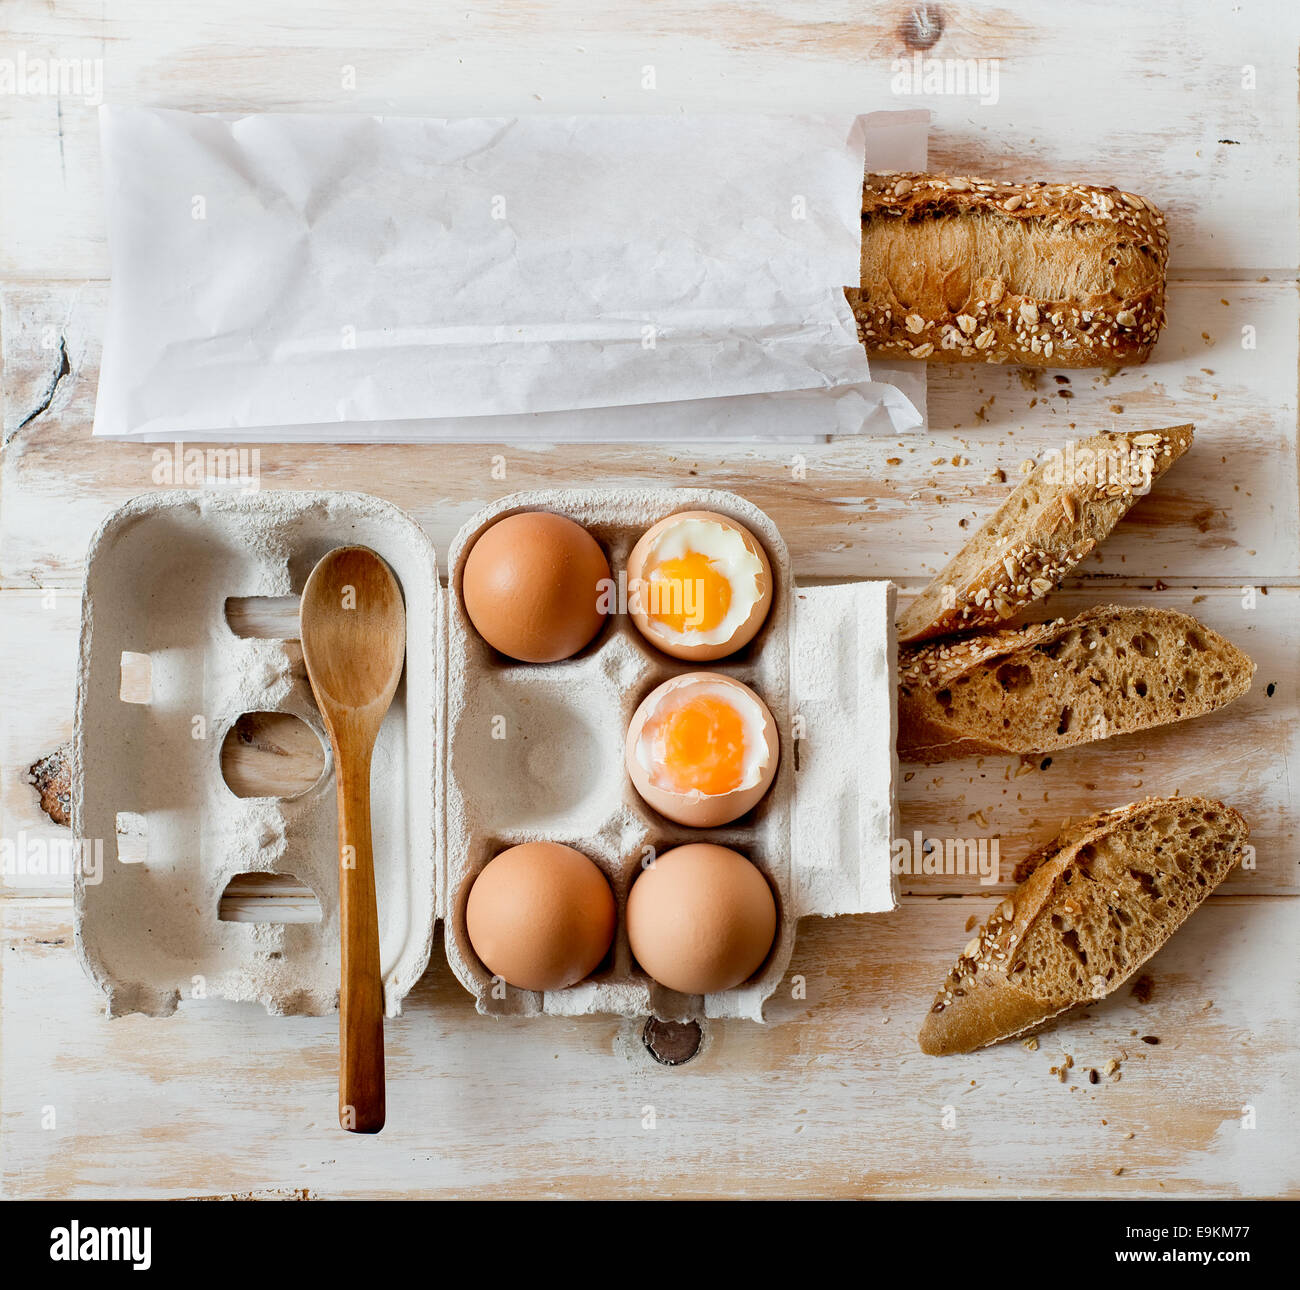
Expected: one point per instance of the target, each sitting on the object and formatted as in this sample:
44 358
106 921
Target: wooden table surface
1192 105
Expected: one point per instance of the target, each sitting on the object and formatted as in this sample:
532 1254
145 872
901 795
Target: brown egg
699 585
702 749
701 919
540 916
532 586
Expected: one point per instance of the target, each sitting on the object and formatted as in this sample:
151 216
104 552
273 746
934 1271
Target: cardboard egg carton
158 575
477 754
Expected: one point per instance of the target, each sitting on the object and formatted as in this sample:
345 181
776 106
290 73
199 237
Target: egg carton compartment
535 753
150 788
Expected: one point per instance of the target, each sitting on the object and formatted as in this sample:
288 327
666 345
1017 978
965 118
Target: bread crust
929 731
1108 247
978 1004
1049 523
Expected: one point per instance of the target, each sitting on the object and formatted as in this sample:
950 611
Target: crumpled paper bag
363 278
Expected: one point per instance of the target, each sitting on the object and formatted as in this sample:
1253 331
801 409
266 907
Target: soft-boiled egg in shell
699 585
702 749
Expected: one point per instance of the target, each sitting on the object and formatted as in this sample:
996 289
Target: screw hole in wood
672 1043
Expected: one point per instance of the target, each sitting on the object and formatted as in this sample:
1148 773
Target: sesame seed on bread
1100 901
1049 522
1038 274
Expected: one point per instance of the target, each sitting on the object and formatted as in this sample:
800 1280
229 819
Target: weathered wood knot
51 777
922 26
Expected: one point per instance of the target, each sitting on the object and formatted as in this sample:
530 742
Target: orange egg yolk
689 594
699 743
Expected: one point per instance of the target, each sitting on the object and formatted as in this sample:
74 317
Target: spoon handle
361 991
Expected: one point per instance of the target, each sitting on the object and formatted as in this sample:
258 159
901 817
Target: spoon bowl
353 613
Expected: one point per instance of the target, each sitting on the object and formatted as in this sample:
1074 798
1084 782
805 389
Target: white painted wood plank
1159 102
858 508
836 1099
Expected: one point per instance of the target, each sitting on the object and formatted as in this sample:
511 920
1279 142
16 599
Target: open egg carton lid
149 789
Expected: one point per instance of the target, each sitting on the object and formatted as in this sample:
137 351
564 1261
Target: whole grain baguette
1031 690
1101 901
1043 275
1051 521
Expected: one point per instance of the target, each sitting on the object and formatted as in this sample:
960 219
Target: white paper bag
361 278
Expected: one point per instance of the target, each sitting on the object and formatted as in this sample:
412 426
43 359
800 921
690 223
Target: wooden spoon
353 625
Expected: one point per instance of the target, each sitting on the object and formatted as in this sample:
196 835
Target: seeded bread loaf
1102 899
1035 689
1043 275
1051 521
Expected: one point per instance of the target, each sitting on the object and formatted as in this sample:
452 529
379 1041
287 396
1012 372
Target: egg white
726 550
753 720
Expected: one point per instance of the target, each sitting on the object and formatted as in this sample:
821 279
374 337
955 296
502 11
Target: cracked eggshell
697 809
664 639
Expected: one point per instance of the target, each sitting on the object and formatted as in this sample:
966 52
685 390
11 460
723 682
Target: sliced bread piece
1102 899
1051 521
1031 690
